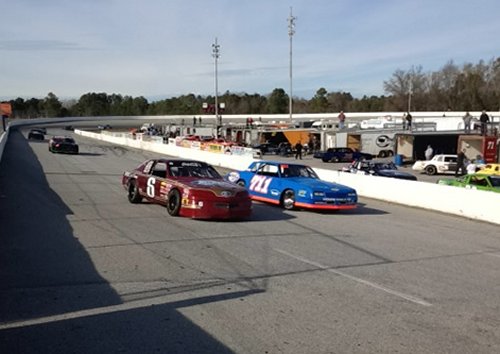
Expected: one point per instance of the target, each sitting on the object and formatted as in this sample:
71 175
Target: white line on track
359 280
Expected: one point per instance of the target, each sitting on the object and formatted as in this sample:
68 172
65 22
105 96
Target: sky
163 48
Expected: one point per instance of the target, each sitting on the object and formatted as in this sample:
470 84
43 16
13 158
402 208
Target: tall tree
277 102
51 106
319 103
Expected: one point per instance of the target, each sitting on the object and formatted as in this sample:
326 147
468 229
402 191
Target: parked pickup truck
438 164
343 155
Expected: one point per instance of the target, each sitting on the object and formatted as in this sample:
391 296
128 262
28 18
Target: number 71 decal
260 184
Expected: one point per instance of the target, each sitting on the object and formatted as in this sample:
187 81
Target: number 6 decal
150 188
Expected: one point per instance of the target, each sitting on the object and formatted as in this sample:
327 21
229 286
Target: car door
149 180
346 155
451 162
264 182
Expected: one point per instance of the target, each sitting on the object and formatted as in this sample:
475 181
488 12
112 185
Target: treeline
469 87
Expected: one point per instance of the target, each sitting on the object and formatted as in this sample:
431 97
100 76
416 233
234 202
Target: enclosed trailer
476 146
412 145
375 142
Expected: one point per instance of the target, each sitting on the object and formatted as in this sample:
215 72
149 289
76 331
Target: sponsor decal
233 177
383 141
275 192
193 164
302 193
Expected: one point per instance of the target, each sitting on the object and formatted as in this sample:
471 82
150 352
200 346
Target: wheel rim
173 204
132 191
289 200
241 183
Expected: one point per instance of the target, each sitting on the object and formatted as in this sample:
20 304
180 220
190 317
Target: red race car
187 188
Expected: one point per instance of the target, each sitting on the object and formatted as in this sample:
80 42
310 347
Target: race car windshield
386 166
193 169
297 171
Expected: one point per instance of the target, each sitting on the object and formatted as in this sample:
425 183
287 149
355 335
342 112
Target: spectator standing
471 168
341 120
298 150
199 121
429 152
460 163
484 119
310 144
467 121
408 119
194 121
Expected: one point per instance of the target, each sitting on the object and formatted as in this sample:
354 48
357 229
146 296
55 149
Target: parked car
36 134
382 169
187 188
63 144
293 186
490 169
438 164
267 148
42 130
474 181
285 149
344 155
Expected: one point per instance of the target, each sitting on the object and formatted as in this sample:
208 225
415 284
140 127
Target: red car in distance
187 188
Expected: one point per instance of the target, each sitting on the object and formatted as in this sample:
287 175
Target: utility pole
216 54
291 32
410 91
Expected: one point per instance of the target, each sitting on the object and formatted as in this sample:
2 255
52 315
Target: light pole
291 32
216 54
409 95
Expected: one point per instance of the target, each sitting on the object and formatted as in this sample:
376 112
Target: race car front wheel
288 199
241 183
133 193
173 202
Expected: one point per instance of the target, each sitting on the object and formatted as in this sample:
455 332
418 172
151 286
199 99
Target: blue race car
293 186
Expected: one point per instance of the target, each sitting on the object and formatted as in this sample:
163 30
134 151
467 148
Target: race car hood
396 174
319 185
212 184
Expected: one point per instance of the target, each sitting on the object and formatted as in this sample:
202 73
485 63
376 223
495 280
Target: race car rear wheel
288 199
241 183
133 193
173 202
431 170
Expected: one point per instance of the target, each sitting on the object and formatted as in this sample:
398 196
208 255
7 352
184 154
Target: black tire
382 154
431 170
133 194
241 183
335 159
174 202
324 160
390 153
288 199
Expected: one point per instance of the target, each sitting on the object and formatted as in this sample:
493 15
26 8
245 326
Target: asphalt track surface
84 271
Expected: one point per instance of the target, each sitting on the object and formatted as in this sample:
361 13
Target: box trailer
378 143
476 146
